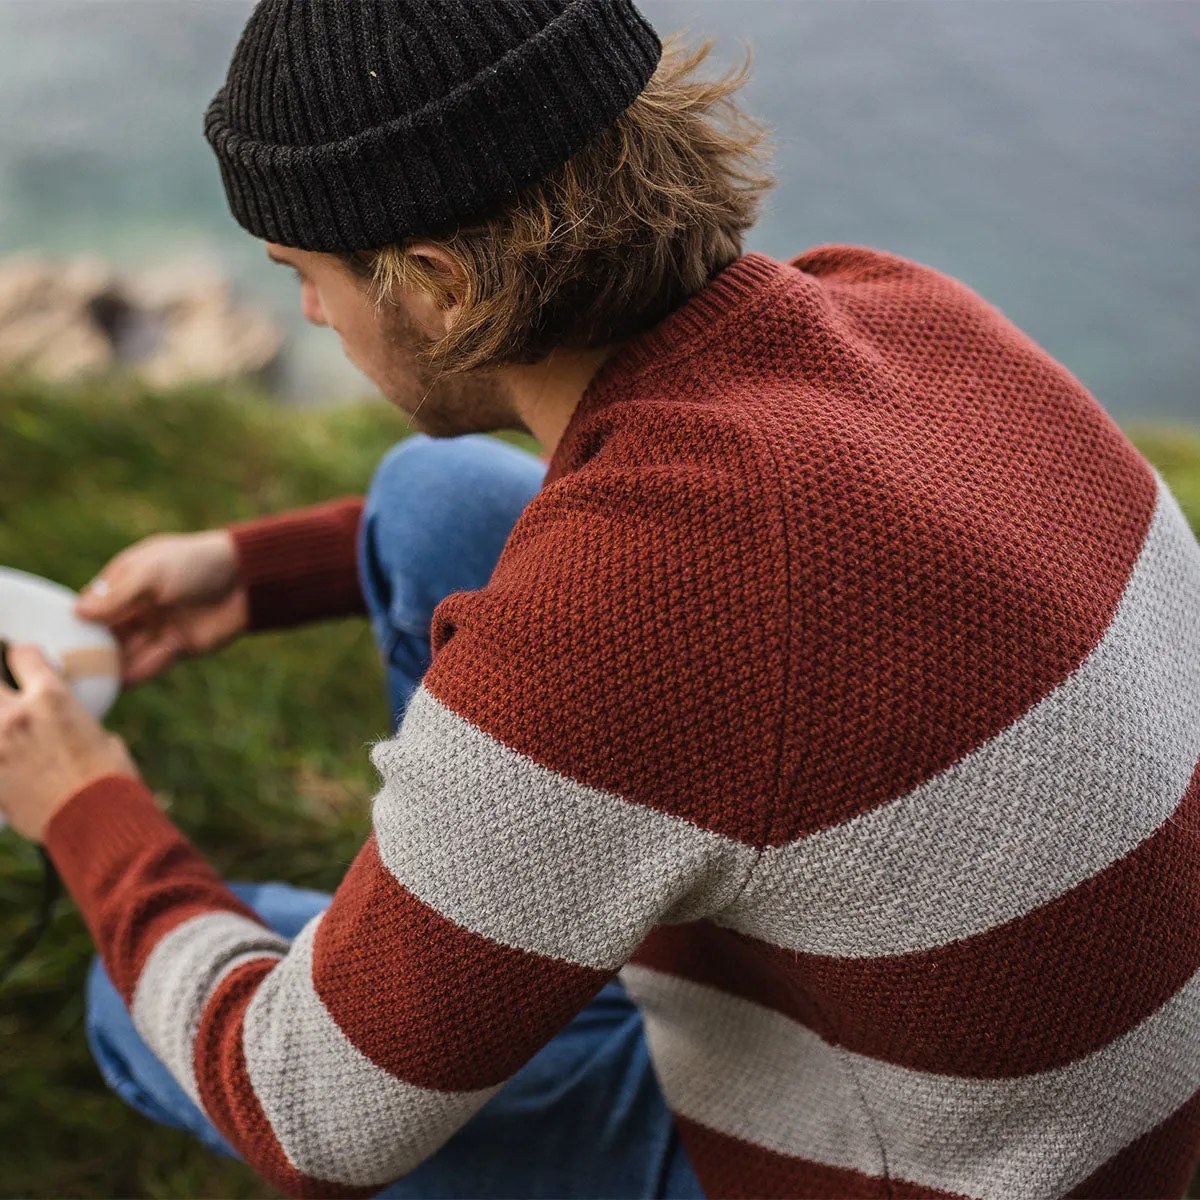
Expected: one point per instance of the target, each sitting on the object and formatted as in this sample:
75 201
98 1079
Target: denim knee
442 481
436 516
422 466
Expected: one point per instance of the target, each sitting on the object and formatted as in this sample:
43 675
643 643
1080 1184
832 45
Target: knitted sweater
840 690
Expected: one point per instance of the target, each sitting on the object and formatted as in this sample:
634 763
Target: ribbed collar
742 282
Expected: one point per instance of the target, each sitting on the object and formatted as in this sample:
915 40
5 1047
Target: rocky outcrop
72 320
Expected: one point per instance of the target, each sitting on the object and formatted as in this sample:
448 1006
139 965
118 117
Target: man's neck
545 394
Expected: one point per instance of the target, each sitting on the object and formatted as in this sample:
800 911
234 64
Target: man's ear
436 311
444 267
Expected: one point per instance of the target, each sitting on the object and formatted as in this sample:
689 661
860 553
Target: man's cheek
373 363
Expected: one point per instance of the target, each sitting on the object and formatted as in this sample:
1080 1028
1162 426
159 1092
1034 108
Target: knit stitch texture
840 689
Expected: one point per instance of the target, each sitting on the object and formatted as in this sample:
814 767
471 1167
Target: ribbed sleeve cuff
301 565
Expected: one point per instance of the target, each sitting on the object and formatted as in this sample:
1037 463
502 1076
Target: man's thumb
94 597
104 600
29 663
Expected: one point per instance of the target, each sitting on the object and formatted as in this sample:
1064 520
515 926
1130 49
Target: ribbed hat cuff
436 168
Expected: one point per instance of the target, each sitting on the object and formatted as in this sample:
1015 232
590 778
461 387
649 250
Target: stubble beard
439 403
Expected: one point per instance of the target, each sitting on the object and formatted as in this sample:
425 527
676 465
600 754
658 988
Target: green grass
258 751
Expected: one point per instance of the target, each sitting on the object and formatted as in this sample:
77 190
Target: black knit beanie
352 124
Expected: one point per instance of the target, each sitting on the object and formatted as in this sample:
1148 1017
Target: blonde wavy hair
612 241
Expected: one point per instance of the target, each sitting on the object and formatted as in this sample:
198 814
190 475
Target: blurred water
1043 151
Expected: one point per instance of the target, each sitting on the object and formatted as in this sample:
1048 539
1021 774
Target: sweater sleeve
301 565
570 774
493 899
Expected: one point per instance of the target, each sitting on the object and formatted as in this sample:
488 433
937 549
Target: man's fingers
134 654
155 646
149 659
30 665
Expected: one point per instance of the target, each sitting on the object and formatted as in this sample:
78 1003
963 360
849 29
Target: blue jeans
584 1117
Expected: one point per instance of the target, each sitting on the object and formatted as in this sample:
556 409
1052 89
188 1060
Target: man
834 695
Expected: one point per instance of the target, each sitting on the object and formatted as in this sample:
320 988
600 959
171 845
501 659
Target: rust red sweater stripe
740 1170
982 1007
840 548
385 965
133 876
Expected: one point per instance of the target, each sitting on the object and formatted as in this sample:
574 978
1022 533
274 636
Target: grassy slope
258 751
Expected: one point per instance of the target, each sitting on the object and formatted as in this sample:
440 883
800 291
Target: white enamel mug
33 609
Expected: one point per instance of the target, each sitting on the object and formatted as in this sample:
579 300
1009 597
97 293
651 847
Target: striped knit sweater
840 690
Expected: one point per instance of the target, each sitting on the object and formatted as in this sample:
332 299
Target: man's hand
50 745
169 596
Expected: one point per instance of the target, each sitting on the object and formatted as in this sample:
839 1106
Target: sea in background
1045 152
